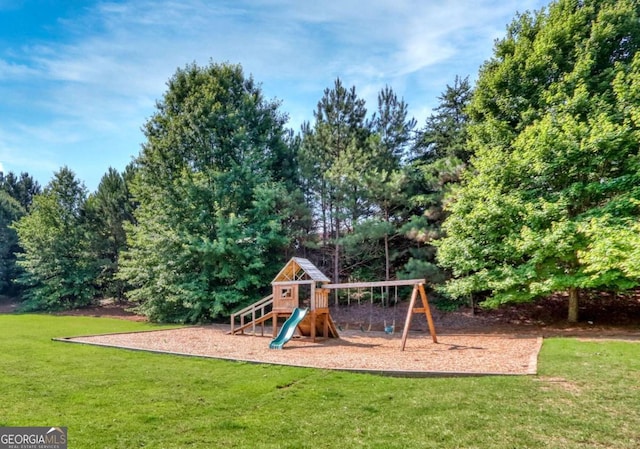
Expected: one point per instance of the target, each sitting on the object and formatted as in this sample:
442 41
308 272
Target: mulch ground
368 352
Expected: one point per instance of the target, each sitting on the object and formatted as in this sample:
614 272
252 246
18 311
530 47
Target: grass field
587 395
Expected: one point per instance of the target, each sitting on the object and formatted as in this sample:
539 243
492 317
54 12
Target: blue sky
78 79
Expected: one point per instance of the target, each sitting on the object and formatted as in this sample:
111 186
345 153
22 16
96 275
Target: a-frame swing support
418 289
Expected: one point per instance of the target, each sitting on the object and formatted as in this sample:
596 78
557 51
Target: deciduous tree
555 140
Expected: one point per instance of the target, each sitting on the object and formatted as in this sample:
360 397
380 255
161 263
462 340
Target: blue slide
288 328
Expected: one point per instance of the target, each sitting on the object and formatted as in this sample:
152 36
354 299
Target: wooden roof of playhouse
299 269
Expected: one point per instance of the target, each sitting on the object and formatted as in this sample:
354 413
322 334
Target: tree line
523 185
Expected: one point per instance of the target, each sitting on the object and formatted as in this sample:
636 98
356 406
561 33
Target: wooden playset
300 294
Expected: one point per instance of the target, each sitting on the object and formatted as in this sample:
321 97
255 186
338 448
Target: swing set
418 290
388 329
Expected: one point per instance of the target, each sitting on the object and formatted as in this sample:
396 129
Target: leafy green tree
107 210
10 211
58 268
16 196
613 252
214 198
555 140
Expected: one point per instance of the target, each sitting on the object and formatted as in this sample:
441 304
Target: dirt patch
107 309
601 317
560 383
7 305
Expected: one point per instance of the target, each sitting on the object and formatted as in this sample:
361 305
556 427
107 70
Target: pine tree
332 153
58 268
10 211
107 210
214 198
22 188
381 179
440 155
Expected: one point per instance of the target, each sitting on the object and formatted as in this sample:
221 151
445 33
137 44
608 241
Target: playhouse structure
300 284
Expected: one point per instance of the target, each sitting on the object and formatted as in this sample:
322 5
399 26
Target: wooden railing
322 298
255 311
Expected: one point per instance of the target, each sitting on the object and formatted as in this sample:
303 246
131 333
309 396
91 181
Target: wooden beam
375 284
292 282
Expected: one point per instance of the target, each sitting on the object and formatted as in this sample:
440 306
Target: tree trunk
574 296
387 267
323 205
336 259
472 304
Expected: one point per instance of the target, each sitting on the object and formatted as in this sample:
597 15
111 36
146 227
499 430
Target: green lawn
587 395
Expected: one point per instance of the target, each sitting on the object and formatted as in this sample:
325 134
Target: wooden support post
253 319
427 312
418 288
275 324
407 321
325 329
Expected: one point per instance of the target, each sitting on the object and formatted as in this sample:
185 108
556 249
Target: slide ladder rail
257 312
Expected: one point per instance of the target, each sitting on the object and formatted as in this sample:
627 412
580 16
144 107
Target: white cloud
103 80
22 149
10 70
